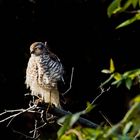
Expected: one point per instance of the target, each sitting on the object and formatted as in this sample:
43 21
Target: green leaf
134 74
92 134
117 82
138 16
127 22
89 107
126 74
112 67
128 83
106 71
117 76
113 7
127 127
67 137
66 125
136 99
126 5
74 118
68 121
125 137
107 81
134 3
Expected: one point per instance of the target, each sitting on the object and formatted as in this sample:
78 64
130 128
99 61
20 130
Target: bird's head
38 48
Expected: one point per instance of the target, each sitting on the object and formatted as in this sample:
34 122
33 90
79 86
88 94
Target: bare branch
102 91
25 134
132 12
35 130
41 109
59 112
3 113
107 120
137 135
70 86
38 127
20 111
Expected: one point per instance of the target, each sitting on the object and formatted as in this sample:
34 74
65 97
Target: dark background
83 37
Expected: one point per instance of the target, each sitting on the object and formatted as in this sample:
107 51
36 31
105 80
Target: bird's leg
49 116
36 99
49 102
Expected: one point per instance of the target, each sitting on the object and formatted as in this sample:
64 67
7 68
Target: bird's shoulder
53 56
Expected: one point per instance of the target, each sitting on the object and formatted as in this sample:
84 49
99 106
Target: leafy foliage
69 120
127 77
129 6
127 129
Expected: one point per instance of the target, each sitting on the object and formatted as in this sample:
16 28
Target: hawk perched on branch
43 71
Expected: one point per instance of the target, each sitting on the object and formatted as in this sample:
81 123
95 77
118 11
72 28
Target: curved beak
32 51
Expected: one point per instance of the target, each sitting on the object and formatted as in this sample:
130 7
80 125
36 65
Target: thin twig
38 127
11 111
10 117
102 91
25 134
16 110
132 12
137 135
20 111
70 86
107 120
107 81
35 130
3 113
41 115
15 115
10 121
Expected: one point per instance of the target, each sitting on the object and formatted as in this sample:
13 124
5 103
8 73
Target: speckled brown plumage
44 70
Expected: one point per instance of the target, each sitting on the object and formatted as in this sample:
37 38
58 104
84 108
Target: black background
83 37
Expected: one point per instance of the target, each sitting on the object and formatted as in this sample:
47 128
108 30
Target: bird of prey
43 72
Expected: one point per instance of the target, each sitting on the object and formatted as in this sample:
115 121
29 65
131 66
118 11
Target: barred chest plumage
50 71
43 72
46 71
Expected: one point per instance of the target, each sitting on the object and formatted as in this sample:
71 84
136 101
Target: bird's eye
40 47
